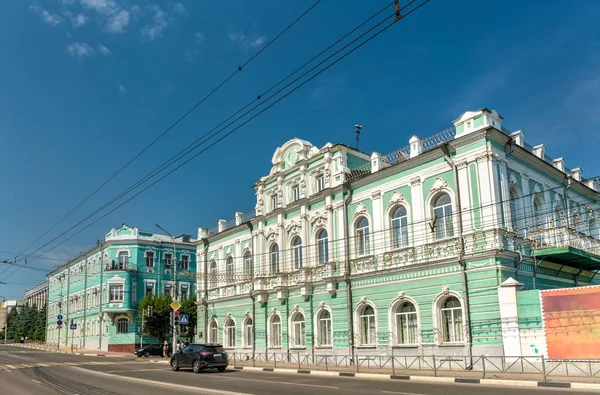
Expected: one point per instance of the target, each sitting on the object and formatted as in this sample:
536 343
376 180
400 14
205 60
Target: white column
342 237
378 224
509 318
465 201
526 200
488 209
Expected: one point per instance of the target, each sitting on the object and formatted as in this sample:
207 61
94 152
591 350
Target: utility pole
174 285
357 129
85 293
101 314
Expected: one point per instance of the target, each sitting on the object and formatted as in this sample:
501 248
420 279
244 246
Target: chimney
416 146
519 137
221 225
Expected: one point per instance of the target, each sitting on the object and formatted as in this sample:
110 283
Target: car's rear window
214 349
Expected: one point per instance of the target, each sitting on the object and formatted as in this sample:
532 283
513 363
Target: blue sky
85 84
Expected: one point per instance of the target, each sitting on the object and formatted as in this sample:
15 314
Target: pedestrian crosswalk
16 366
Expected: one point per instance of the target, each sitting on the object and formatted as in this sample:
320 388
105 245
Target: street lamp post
175 296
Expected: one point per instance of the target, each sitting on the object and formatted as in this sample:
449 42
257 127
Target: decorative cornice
462 164
360 209
438 185
525 175
396 198
376 194
415 181
293 227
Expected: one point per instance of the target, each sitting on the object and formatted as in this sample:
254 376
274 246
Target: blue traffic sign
60 317
184 319
73 326
59 323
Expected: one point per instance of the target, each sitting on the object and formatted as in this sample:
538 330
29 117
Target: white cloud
180 9
51 19
199 37
247 42
159 23
121 89
78 20
104 7
103 50
117 23
80 50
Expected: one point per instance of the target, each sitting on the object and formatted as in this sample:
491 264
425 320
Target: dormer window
274 202
295 195
320 182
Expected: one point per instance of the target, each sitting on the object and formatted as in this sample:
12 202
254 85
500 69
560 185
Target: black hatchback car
199 357
151 349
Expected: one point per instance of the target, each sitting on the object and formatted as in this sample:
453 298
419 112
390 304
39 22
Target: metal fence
535 367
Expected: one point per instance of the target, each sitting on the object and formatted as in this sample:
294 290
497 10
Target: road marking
19 366
279 382
401 393
11 366
42 364
27 366
131 370
35 381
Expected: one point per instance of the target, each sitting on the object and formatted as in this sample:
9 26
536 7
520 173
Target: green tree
159 324
188 306
40 330
12 322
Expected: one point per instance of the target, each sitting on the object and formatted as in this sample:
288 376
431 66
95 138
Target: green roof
570 256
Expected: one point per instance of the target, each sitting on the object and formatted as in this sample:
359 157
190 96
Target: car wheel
139 355
146 354
221 369
196 366
174 365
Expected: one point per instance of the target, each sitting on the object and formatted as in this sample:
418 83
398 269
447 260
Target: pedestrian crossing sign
184 319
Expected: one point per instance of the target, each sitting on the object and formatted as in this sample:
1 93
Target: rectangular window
123 260
185 262
276 334
168 260
168 289
149 259
184 291
134 293
116 293
320 182
295 193
274 202
149 289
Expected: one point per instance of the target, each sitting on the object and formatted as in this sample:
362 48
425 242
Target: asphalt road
24 372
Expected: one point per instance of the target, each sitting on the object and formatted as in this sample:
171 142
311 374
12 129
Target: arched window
248 265
452 321
248 332
405 322
324 333
513 196
229 333
123 325
275 330
368 328
229 269
399 227
213 275
559 216
213 332
363 246
274 258
297 252
442 211
537 211
298 330
323 246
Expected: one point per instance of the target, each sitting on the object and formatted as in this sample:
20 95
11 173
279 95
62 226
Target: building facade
404 253
6 307
99 291
37 296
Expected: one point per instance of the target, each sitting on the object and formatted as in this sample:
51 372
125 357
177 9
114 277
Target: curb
73 353
457 380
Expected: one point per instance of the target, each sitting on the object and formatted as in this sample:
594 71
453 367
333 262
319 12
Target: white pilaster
420 226
378 222
509 318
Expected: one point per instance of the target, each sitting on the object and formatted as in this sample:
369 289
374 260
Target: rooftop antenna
357 131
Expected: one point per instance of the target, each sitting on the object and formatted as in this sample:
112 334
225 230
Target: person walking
166 350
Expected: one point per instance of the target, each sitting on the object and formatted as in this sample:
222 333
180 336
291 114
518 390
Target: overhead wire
260 112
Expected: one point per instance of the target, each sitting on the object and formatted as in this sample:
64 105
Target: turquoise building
99 291
355 254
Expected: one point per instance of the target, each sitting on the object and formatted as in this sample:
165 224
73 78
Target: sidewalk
67 350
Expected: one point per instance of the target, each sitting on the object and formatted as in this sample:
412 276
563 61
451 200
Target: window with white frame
274 202
538 203
149 258
324 332
149 289
323 246
295 195
298 330
185 291
559 216
123 260
168 259
452 320
513 196
297 252
185 262
116 293
368 328
442 211
229 333
229 269
123 325
320 182
275 338
213 275
274 258
405 323
363 245
134 293
248 332
248 265
399 227
168 289
213 332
